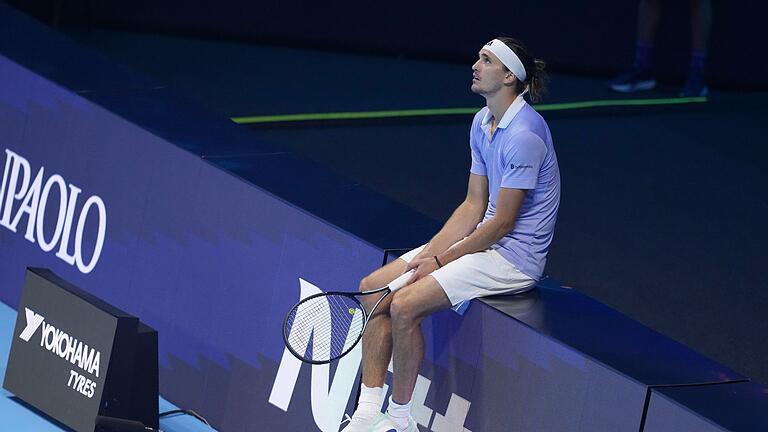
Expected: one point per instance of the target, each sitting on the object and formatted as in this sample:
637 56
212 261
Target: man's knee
366 284
404 312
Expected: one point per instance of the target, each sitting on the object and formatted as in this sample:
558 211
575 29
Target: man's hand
425 253
423 266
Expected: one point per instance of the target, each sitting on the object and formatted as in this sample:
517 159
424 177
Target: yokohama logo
61 344
33 196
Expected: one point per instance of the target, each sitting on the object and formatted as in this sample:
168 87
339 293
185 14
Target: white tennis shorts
477 274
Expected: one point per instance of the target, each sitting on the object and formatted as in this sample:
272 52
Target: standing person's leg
648 13
701 23
640 76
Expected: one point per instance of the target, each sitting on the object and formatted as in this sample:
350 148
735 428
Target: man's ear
510 79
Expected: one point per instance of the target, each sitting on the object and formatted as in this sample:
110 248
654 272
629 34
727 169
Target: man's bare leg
377 339
409 307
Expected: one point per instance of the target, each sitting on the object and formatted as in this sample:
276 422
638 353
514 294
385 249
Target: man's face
488 74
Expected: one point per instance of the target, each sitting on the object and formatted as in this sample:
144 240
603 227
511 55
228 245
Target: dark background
595 37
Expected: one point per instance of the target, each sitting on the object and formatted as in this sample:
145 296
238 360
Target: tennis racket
326 326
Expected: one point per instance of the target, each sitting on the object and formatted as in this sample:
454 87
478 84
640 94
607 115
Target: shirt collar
510 114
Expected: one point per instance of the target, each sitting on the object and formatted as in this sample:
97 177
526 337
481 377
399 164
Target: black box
74 356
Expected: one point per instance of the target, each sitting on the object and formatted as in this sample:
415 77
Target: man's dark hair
534 68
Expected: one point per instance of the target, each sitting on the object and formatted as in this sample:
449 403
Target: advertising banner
73 356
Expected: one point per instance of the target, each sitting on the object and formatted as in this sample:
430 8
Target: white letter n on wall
328 401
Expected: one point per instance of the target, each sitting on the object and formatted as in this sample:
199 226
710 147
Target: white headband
507 57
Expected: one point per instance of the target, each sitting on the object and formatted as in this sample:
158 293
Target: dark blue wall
593 37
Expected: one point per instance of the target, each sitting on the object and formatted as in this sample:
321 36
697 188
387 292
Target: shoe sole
629 88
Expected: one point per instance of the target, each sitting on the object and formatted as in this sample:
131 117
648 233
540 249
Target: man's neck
499 103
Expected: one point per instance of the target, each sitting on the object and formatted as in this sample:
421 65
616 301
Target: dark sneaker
694 86
634 80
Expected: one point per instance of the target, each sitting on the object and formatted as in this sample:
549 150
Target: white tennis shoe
359 424
385 423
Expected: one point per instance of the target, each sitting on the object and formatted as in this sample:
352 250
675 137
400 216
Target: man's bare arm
463 220
508 207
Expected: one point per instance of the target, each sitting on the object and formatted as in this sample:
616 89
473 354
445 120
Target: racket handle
400 281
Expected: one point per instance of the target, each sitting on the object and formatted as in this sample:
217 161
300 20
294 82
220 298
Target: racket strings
325 327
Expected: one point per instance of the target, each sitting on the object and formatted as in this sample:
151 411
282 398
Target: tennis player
495 242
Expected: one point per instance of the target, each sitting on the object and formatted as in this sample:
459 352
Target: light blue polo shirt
520 155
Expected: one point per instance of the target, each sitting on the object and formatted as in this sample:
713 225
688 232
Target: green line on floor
357 115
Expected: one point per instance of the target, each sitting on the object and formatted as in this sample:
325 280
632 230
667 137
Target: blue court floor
18 418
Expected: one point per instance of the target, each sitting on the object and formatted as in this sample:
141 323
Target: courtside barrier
715 408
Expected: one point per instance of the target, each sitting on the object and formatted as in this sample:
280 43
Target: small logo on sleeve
513 166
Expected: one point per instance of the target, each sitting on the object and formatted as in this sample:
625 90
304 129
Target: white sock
399 413
369 404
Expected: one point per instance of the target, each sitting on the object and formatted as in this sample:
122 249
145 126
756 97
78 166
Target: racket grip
400 281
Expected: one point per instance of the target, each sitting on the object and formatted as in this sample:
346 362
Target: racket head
324 327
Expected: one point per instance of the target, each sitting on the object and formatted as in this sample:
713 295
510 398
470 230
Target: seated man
495 242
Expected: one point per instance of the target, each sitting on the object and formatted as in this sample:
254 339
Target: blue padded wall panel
666 415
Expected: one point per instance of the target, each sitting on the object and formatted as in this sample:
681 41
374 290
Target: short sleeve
524 156
475 141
